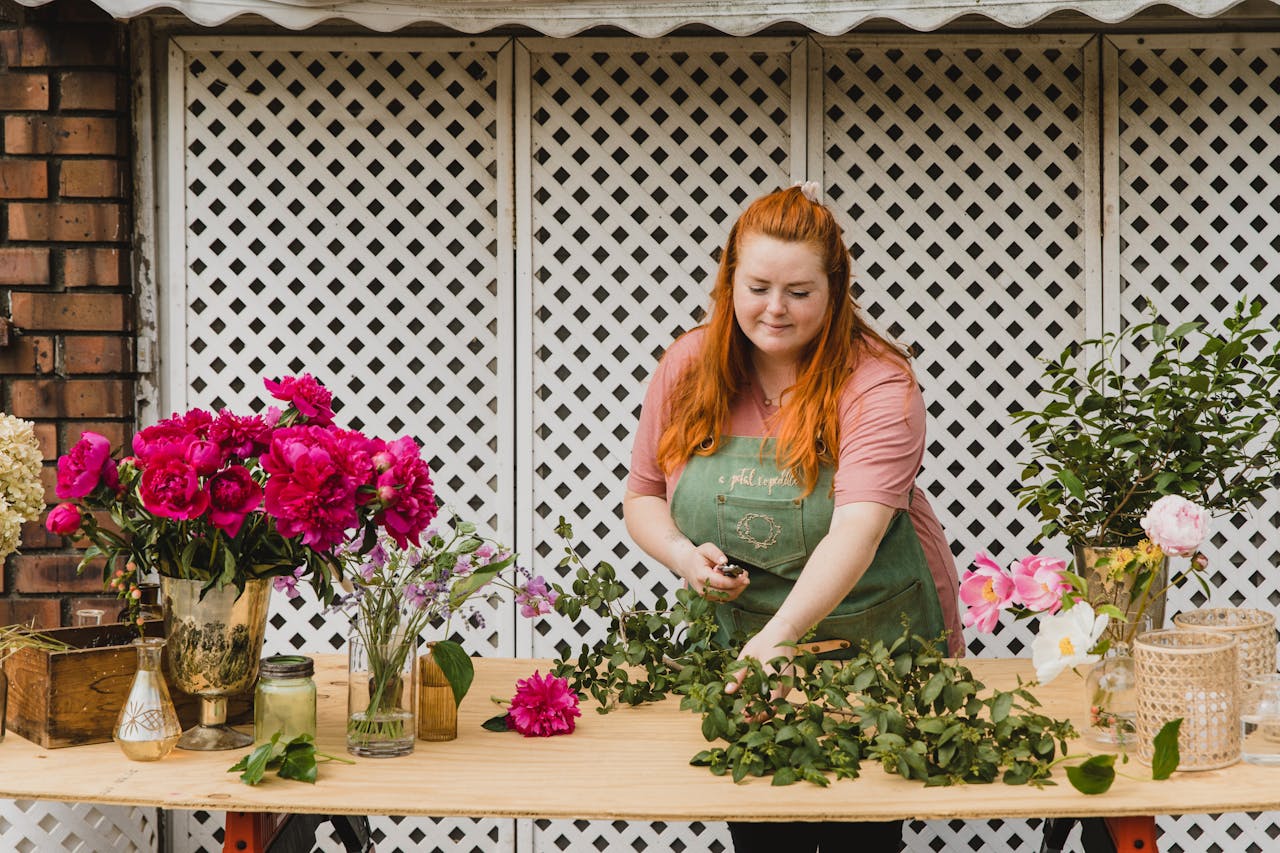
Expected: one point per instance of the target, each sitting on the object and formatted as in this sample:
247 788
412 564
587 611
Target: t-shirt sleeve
881 436
646 477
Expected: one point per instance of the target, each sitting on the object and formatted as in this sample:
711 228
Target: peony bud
387 494
382 461
1200 561
63 520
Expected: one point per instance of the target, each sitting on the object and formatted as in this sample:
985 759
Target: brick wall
65 188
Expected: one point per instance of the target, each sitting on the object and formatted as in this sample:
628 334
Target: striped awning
646 18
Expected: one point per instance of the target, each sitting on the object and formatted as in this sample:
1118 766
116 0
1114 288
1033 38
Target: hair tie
811 190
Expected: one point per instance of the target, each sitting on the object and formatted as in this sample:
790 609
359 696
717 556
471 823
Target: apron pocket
882 621
765 533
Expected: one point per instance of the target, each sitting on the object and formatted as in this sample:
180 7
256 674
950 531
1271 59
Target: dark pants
827 837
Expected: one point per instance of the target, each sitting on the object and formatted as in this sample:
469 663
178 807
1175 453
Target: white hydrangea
21 492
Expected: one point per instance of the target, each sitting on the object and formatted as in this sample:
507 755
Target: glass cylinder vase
381 693
147 727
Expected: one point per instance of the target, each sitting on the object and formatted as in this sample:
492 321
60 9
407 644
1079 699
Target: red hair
808 423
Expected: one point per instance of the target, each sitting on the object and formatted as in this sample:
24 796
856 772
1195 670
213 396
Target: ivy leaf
1093 776
456 665
299 760
495 724
1166 757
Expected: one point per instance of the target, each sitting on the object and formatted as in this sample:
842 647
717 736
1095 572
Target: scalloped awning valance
646 18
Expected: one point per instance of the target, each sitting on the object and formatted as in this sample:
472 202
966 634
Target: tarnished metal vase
214 645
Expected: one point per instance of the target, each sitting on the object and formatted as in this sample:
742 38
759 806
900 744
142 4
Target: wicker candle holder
1254 630
1193 675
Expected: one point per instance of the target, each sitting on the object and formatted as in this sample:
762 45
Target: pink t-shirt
882 420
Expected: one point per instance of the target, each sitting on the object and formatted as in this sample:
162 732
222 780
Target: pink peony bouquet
223 498
1045 586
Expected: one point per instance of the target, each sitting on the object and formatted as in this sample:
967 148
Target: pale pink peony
985 590
1177 525
543 706
233 494
63 520
1039 584
85 466
312 400
170 487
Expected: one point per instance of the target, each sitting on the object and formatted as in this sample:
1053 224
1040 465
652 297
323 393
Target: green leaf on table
255 763
298 761
456 665
1093 776
495 724
1166 755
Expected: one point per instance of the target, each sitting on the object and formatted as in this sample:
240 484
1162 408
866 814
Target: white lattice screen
1199 190
346 212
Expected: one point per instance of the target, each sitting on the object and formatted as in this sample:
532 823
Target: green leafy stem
295 760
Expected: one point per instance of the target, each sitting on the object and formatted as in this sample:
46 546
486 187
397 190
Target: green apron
754 512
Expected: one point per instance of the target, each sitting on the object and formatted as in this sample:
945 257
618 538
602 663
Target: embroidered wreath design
744 530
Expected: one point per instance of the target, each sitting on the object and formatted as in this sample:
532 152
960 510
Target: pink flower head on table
1177 525
543 706
986 590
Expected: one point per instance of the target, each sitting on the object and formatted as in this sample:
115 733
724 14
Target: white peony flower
1064 641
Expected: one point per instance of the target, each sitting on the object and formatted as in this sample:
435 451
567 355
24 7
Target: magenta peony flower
412 503
310 492
177 432
312 400
233 494
205 456
170 487
986 590
63 520
543 707
85 466
241 436
1039 584
1177 525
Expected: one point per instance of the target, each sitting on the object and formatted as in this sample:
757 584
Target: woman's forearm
650 525
836 565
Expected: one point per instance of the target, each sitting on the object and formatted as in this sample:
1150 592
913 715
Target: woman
785 436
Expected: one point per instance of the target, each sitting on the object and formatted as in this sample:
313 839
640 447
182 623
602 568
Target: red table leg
1133 833
250 832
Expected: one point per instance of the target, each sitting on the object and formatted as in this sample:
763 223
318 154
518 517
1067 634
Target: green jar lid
287 666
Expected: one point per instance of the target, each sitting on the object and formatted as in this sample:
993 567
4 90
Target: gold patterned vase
1099 566
215 644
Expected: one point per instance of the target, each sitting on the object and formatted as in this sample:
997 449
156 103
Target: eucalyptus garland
904 706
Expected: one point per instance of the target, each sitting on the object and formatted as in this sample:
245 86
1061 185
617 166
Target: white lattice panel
961 172
342 211
1199 125
28 826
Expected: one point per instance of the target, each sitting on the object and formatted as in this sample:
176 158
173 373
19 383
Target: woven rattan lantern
1192 674
1254 630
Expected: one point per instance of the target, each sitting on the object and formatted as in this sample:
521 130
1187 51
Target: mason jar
285 700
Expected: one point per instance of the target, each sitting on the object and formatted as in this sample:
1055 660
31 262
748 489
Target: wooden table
631 764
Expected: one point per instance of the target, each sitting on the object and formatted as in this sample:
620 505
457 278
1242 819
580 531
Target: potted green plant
1195 417
1198 420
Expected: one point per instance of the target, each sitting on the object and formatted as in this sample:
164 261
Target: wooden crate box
72 697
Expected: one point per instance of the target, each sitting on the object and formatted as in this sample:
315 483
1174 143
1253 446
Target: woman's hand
698 568
776 639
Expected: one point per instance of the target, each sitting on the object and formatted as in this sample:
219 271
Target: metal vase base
212 732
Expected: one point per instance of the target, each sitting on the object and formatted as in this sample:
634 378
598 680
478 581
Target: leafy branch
295 760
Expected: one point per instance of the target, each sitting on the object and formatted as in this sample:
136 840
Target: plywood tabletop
632 764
